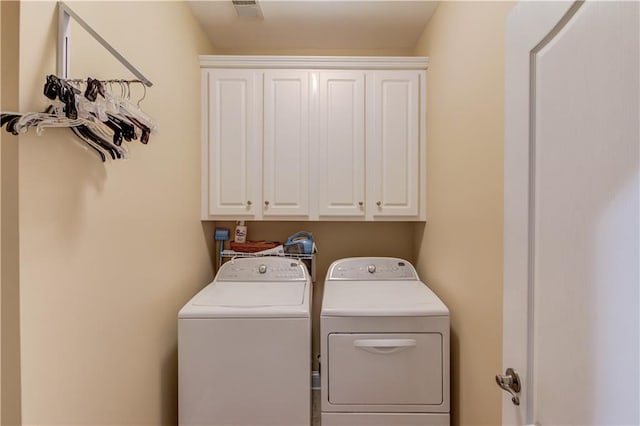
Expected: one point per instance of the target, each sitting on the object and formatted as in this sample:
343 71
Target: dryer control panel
372 269
263 269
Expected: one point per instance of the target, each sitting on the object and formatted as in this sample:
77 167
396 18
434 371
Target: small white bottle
241 232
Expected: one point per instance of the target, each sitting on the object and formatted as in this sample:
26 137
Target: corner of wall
10 393
459 250
419 228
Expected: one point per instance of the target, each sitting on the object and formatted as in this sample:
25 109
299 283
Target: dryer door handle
384 346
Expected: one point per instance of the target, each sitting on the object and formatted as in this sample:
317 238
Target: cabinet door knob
360 203
266 204
378 203
249 203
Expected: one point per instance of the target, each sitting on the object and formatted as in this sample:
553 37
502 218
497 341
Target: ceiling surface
313 24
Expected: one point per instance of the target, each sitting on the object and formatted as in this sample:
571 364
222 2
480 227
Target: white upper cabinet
231 148
393 144
286 143
313 138
341 144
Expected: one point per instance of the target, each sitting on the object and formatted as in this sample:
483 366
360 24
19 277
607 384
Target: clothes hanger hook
144 95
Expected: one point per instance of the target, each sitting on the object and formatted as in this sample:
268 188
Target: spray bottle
241 232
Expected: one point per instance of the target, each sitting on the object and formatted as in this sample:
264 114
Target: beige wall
9 278
110 252
459 250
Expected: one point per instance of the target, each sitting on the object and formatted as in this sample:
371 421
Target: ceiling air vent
247 8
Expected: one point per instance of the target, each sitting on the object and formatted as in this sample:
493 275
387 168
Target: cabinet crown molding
311 62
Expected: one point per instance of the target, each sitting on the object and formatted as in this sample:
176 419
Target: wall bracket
64 30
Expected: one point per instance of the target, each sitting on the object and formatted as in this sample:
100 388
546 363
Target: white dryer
244 347
384 346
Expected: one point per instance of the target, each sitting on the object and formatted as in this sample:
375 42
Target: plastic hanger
99 117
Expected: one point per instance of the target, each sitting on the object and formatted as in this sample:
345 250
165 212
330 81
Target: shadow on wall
53 153
169 387
454 375
208 229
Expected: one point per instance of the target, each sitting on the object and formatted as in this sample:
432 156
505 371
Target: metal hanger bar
64 12
63 42
84 80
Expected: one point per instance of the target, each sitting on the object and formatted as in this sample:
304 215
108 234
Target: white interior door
571 262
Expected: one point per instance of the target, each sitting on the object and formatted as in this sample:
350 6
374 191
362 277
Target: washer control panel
263 269
372 269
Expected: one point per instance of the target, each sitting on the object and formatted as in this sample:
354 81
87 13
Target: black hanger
128 130
146 131
97 140
89 143
10 120
124 127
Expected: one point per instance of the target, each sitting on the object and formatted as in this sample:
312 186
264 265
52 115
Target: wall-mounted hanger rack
100 116
64 30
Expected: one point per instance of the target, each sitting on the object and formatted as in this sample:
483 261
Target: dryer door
385 369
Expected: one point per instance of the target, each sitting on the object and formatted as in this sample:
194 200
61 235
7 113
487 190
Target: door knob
510 382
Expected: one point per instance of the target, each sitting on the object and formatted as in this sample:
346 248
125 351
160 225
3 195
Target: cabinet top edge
333 62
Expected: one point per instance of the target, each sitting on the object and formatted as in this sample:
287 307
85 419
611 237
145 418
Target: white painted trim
204 144
422 149
315 62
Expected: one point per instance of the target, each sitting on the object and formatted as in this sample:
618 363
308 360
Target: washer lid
251 294
380 298
249 299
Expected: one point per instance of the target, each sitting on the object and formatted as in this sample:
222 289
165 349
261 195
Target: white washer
384 340
244 346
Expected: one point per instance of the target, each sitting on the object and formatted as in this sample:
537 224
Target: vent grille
244 2
247 8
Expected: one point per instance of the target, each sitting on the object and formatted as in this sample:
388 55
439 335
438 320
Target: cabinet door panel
231 143
286 143
341 143
393 144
